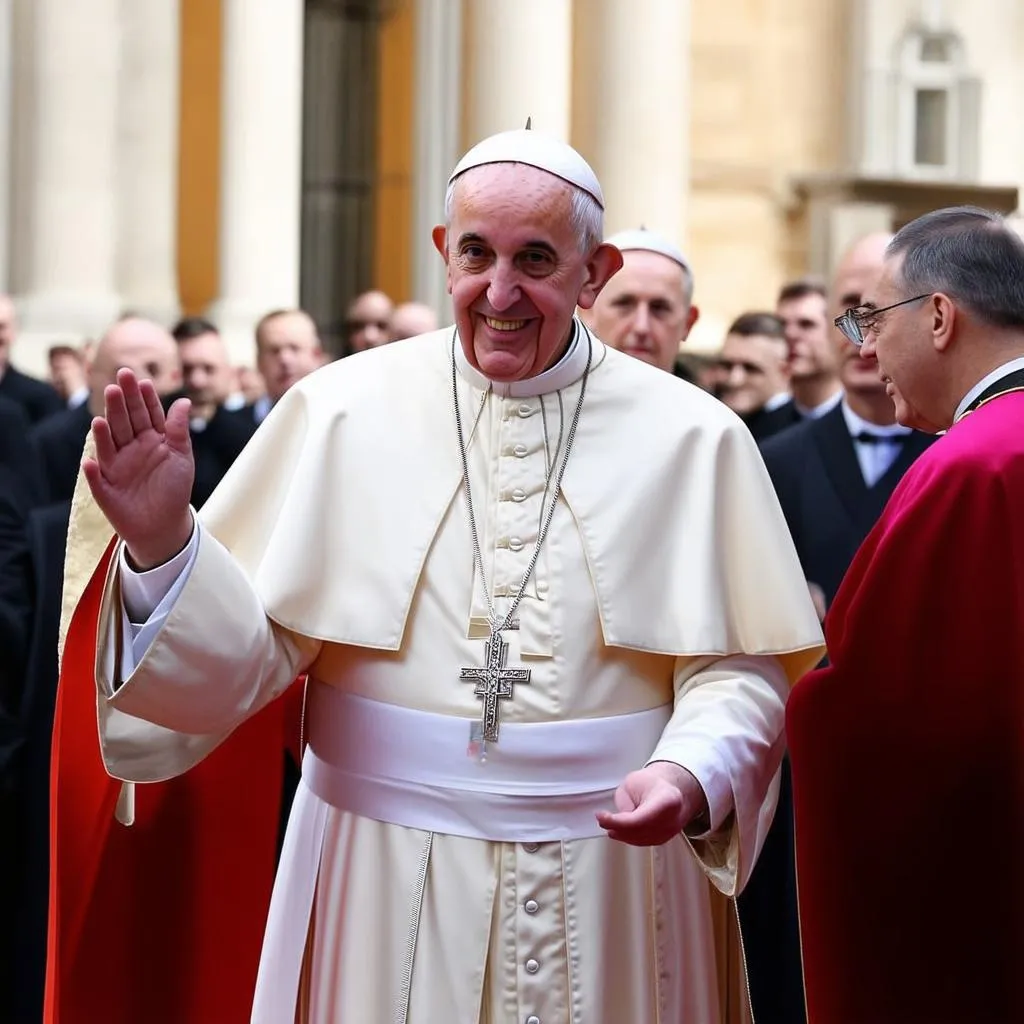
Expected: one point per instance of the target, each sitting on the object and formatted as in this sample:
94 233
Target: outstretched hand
142 475
654 805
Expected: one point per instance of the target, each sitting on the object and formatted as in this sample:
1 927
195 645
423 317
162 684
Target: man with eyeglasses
908 750
833 475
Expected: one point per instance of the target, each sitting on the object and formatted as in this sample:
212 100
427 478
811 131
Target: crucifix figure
494 682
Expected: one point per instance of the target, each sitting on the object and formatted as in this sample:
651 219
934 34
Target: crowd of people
645 571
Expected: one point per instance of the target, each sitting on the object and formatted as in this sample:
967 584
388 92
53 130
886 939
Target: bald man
646 310
367 320
142 346
37 399
410 320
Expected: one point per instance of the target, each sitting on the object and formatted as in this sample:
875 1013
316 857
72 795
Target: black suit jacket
25 965
830 510
828 507
764 423
36 397
216 447
18 451
59 441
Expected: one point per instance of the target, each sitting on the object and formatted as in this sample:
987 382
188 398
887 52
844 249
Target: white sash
542 781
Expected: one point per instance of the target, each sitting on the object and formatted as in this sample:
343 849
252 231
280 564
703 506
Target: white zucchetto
649 241
524 146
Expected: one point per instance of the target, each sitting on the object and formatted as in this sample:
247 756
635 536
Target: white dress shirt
876 457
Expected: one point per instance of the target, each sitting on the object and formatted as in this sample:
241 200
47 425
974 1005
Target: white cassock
664 620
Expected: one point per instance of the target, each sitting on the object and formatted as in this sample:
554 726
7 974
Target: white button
515 544
518 494
525 410
531 906
532 1019
542 586
520 451
532 967
531 847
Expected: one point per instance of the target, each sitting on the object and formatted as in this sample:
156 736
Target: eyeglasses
858 319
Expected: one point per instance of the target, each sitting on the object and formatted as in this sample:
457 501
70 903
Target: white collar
777 401
566 371
261 408
998 373
813 412
858 425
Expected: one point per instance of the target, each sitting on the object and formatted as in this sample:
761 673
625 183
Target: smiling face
516 272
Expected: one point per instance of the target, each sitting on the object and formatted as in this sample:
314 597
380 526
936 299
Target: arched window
938 105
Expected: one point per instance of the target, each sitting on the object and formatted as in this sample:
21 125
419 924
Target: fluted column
261 164
67 171
148 157
637 111
438 77
519 65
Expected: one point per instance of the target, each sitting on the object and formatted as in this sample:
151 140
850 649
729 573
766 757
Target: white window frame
914 74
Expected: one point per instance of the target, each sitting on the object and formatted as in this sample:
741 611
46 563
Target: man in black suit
218 434
37 398
833 476
753 374
133 342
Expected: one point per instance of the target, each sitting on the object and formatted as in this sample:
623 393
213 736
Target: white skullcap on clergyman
524 146
649 241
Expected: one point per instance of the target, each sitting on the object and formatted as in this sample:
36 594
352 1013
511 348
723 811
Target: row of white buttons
531 907
522 411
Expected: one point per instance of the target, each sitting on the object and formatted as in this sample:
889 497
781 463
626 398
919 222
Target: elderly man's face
898 348
644 311
515 270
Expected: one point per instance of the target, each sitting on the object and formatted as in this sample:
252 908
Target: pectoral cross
494 683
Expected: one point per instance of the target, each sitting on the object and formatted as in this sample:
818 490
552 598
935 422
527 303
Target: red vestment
160 922
908 750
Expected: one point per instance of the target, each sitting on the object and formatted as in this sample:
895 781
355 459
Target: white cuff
142 592
147 599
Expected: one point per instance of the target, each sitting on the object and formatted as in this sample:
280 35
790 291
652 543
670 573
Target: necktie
868 437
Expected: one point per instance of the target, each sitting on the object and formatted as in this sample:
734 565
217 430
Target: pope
549 611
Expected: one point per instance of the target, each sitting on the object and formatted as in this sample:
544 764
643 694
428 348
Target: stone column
438 80
67 171
637 109
519 57
6 148
148 157
261 166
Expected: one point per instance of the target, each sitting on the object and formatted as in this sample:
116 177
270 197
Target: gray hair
586 218
970 254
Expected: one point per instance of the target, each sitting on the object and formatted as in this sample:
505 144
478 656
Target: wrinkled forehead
854 281
511 199
650 272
